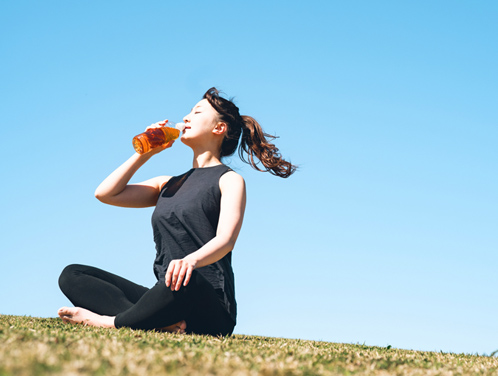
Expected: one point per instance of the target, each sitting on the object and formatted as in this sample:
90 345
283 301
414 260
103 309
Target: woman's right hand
116 190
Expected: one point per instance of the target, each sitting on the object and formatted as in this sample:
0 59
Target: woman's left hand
179 271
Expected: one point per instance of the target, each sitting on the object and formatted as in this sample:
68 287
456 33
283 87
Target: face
200 121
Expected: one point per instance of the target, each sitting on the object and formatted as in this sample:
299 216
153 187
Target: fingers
169 144
188 274
160 148
169 273
179 271
158 124
179 275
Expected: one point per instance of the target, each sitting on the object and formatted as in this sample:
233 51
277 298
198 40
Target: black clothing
185 218
138 307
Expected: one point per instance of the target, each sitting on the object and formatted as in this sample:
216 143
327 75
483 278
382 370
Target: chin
185 140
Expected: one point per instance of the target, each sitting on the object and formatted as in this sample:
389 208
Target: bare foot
179 328
77 315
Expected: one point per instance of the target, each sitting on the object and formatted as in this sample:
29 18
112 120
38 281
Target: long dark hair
254 142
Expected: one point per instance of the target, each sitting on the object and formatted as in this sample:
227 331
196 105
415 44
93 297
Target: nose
186 119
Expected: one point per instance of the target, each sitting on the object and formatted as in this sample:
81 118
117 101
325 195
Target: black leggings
138 307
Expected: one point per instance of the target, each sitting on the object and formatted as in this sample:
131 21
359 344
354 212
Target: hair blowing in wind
254 144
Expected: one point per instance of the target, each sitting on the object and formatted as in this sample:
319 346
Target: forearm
116 182
211 252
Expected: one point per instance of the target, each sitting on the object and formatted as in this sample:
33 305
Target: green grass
34 346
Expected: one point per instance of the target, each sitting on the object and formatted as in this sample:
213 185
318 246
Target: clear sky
387 234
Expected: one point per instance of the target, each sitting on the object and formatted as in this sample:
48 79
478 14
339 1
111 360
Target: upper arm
233 203
139 195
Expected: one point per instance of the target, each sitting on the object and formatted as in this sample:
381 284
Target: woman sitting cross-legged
196 221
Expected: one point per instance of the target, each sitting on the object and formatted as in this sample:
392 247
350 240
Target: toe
62 311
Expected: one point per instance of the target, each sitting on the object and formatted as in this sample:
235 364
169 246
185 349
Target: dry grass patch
34 346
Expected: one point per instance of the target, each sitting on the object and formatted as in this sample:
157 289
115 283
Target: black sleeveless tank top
185 218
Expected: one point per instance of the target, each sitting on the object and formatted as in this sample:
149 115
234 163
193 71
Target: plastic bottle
155 137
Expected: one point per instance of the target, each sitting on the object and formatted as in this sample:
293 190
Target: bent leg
99 291
158 308
197 303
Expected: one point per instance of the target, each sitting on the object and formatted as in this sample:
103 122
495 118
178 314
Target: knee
67 276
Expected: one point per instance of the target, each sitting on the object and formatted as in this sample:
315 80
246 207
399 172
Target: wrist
141 159
191 260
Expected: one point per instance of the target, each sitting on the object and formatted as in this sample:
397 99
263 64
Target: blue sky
387 234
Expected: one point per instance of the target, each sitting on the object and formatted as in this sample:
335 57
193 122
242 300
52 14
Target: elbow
100 196
229 245
227 241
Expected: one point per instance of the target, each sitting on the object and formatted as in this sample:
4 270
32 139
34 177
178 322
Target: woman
196 222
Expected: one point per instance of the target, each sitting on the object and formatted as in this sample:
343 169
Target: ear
220 128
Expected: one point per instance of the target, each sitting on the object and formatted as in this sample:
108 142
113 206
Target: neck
205 159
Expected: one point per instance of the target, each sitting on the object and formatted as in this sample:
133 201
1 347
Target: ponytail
255 142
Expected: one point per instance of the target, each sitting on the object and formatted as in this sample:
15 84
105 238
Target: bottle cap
180 126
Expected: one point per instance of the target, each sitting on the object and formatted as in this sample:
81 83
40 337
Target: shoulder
160 181
231 181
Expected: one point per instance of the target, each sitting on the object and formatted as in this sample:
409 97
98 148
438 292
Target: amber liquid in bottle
154 137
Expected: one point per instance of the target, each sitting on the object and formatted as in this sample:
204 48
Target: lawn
40 346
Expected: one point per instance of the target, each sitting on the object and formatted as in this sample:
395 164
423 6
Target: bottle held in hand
154 137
